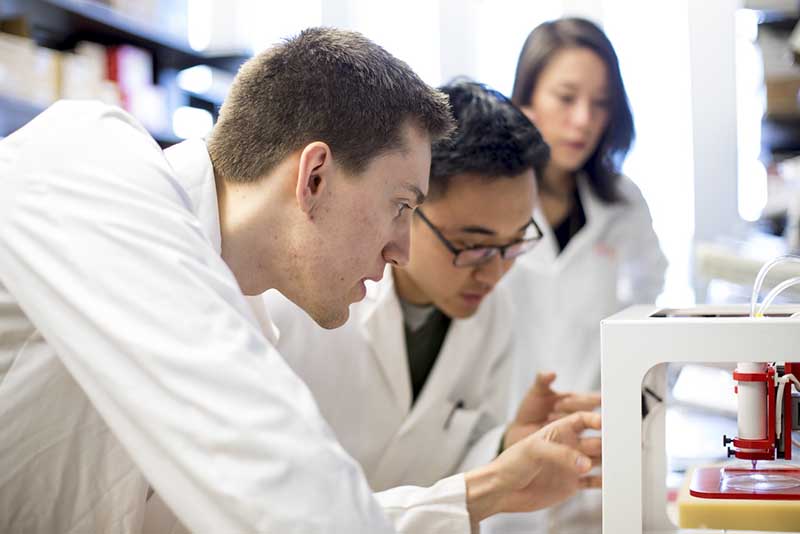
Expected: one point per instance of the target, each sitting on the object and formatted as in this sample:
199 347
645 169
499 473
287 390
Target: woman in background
599 253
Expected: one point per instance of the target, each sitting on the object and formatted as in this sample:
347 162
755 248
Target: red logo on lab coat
603 249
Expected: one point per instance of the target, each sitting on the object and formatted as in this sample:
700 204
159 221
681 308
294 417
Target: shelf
780 136
777 20
15 113
61 24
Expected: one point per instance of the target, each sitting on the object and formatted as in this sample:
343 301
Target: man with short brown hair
357 102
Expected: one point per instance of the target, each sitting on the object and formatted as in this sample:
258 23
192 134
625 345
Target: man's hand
541 470
542 405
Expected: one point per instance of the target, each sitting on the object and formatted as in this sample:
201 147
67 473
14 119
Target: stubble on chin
330 316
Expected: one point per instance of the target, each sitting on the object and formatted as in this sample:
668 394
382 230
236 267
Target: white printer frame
632 343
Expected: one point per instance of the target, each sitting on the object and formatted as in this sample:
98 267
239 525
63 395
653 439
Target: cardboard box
782 96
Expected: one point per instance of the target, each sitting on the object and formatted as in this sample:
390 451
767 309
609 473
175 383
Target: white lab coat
129 356
559 299
363 389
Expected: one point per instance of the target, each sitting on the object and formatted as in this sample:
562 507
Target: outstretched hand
543 405
540 470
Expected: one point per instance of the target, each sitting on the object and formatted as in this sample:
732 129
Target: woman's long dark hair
603 166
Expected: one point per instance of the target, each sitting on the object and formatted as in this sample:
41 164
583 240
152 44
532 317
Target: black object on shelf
773 224
780 137
777 20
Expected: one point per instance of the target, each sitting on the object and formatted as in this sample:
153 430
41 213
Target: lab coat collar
546 254
193 168
269 328
597 213
382 326
595 219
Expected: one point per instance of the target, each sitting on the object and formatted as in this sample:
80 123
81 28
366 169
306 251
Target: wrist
482 494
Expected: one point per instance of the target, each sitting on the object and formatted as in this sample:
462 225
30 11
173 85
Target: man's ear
314 171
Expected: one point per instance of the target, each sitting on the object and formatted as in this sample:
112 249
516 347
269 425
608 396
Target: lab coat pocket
428 448
460 430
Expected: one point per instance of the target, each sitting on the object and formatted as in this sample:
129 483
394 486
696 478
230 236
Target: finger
582 462
555 416
589 482
592 447
576 460
568 459
580 421
578 403
542 383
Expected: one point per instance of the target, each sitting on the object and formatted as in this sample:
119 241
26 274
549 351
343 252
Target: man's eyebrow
420 196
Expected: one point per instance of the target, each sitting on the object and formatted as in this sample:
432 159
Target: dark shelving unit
61 24
780 136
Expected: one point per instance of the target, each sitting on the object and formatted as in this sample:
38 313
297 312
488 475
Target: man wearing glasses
423 392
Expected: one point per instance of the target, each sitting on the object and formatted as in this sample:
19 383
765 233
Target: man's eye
402 207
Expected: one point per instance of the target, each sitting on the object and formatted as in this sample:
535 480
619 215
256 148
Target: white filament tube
752 403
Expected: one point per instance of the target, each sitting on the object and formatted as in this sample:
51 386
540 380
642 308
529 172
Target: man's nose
398 250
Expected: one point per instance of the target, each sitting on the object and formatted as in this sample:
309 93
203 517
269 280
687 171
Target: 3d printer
759 489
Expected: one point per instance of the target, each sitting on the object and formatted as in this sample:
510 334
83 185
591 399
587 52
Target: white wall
655 63
712 49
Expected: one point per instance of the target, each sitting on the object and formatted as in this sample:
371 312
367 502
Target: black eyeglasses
473 256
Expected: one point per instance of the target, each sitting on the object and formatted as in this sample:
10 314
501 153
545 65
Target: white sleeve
643 264
440 509
98 248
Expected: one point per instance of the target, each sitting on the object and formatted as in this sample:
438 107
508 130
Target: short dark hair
493 139
325 85
604 165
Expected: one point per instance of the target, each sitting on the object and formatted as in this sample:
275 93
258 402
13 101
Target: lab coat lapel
442 393
463 335
545 253
382 326
597 215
